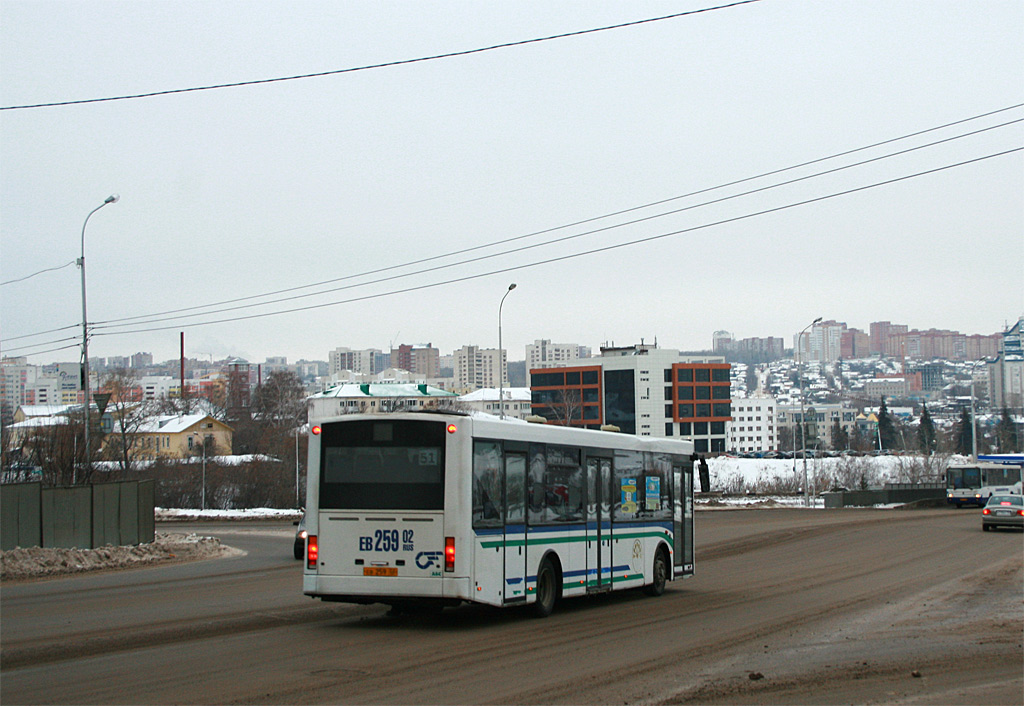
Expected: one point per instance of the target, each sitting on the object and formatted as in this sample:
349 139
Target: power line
49 269
560 227
578 254
569 237
39 333
399 62
52 350
37 345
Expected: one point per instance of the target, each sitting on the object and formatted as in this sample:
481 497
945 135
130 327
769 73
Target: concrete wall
881 496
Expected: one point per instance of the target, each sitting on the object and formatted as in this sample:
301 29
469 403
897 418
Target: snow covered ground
765 475
735 483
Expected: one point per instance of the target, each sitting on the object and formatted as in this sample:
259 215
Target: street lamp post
203 494
85 340
501 358
803 432
297 430
974 419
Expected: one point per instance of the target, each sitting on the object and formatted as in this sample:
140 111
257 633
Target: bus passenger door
514 585
599 544
682 520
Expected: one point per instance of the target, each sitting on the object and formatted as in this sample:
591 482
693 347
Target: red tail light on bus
449 553
312 551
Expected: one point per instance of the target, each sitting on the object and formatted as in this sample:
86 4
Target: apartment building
423 360
822 342
820 420
753 426
748 350
894 386
883 337
542 353
369 361
16 375
641 389
476 368
854 343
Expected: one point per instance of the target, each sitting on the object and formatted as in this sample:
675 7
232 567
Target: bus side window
515 488
535 484
487 484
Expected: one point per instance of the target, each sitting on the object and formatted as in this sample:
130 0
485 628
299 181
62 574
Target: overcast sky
239 192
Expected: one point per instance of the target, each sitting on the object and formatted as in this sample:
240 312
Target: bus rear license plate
380 571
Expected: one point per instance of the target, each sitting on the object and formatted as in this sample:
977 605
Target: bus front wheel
547 590
660 573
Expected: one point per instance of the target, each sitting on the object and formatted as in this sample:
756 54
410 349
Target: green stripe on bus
593 582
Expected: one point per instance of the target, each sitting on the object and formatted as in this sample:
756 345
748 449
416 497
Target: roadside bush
228 487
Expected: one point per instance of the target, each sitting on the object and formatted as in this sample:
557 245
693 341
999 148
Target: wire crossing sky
350 201
384 65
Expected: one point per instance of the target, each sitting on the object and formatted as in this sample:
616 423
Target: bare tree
278 408
568 408
128 413
55 449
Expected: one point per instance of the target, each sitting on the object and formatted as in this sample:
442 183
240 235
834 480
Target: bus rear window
382 465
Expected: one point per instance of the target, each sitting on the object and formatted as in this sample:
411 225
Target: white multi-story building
885 387
542 353
516 401
820 420
157 387
823 342
641 389
476 368
753 426
60 383
368 361
16 375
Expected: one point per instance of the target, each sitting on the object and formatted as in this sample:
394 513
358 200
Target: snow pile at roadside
30 562
170 514
748 502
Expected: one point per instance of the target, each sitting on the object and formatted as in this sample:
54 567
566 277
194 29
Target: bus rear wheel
660 573
547 590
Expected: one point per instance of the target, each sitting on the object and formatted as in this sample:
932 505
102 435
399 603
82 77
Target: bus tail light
312 551
449 553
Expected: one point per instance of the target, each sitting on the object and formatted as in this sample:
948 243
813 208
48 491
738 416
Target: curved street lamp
113 198
501 357
803 422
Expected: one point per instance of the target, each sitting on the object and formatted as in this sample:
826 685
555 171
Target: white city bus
433 509
975 483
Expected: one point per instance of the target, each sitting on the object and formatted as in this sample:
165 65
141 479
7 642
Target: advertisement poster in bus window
652 496
629 496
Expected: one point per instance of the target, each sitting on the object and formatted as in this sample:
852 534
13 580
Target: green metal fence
86 516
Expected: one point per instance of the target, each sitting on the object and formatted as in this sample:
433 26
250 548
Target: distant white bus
434 509
975 483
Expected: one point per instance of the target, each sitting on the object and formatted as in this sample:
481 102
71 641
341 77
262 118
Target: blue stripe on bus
575 527
482 531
